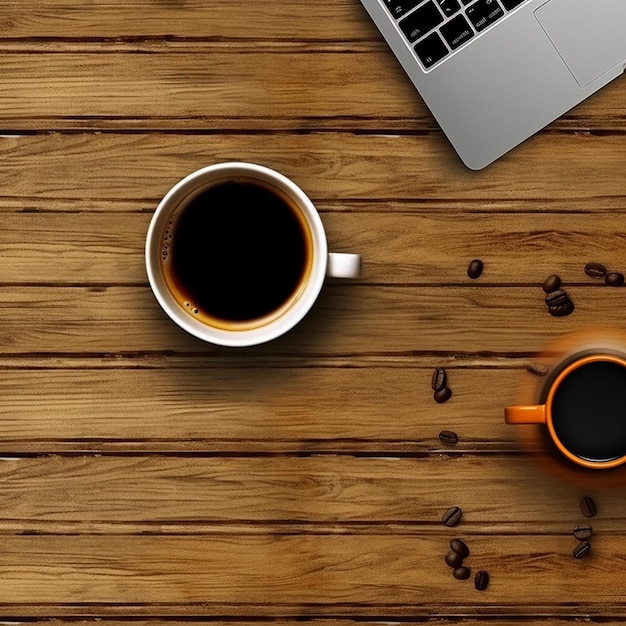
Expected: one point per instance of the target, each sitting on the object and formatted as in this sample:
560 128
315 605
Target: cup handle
342 265
532 414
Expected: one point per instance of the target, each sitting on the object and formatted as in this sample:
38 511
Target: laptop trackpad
588 34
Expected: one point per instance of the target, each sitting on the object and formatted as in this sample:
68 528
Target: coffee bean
461 573
581 550
481 580
561 310
449 437
588 507
614 279
557 298
538 369
582 531
475 268
595 270
552 283
439 379
460 547
443 395
454 560
452 516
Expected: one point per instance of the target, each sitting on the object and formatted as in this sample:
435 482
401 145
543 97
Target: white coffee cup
225 237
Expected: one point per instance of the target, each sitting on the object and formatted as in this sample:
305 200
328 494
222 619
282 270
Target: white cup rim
176 196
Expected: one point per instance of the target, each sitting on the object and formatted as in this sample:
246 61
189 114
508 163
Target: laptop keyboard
437 27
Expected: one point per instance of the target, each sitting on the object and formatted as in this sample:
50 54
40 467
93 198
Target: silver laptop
493 72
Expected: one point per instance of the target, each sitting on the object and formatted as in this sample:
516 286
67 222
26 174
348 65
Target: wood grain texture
148 477
334 494
240 407
401 242
345 320
222 81
85 169
351 574
188 20
330 621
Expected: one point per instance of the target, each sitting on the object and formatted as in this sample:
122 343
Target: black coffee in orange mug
584 411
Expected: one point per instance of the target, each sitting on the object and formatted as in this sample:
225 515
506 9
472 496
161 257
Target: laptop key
449 7
398 8
421 21
456 32
511 4
430 50
484 13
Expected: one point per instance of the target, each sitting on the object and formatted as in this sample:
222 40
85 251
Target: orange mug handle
531 414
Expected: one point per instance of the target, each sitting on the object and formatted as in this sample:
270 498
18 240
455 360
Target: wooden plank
235 405
234 19
347 319
516 248
340 494
74 248
208 85
548 620
400 245
220 86
112 169
340 574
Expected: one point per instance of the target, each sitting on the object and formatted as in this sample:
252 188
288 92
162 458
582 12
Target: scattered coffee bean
475 268
614 279
481 580
588 507
582 531
562 310
595 270
557 298
443 395
449 437
552 283
461 573
452 516
558 303
538 369
439 379
454 560
581 550
459 547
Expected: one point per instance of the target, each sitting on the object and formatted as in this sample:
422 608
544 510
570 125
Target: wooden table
148 475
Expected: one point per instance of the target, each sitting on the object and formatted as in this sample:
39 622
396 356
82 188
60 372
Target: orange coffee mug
584 411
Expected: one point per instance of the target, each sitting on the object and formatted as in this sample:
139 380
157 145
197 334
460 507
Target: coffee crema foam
238 254
166 241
